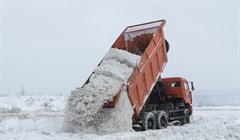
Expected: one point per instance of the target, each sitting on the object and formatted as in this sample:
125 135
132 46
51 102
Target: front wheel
187 117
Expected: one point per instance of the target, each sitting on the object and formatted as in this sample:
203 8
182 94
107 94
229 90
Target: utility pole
22 91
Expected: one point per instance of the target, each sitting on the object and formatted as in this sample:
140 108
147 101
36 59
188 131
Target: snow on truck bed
85 105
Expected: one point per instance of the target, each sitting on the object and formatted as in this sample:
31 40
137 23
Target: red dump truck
155 100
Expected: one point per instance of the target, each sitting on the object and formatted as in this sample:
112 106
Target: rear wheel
162 120
149 121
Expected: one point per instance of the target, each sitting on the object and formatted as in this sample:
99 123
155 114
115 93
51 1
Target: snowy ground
42 117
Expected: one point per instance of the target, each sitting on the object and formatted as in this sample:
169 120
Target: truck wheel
149 121
167 45
188 119
187 115
162 120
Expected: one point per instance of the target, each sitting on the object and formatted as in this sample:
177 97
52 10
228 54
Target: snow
131 35
85 105
16 104
134 31
119 118
144 26
221 122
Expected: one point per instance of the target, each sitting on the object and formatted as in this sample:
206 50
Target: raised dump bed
148 41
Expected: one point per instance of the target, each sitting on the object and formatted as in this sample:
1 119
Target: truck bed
148 41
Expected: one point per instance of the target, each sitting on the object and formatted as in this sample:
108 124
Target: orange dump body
178 87
148 41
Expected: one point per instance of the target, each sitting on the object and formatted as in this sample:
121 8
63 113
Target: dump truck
155 100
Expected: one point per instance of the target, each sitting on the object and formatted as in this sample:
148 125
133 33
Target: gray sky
52 47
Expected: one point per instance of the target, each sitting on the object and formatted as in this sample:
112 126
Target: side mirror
192 86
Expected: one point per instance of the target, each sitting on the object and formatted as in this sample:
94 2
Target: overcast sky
53 47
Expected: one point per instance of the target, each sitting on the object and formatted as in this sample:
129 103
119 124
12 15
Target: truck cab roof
172 79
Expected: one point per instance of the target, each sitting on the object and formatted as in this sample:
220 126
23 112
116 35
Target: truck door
188 95
175 88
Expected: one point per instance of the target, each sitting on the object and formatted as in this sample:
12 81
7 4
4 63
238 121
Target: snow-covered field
42 117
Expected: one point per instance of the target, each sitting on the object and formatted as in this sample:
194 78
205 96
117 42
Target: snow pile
16 104
119 118
85 105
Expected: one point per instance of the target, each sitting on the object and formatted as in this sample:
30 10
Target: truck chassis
161 108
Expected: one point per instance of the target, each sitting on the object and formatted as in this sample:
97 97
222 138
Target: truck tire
187 116
167 45
162 120
149 121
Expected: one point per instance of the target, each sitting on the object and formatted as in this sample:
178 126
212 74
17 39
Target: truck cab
179 89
